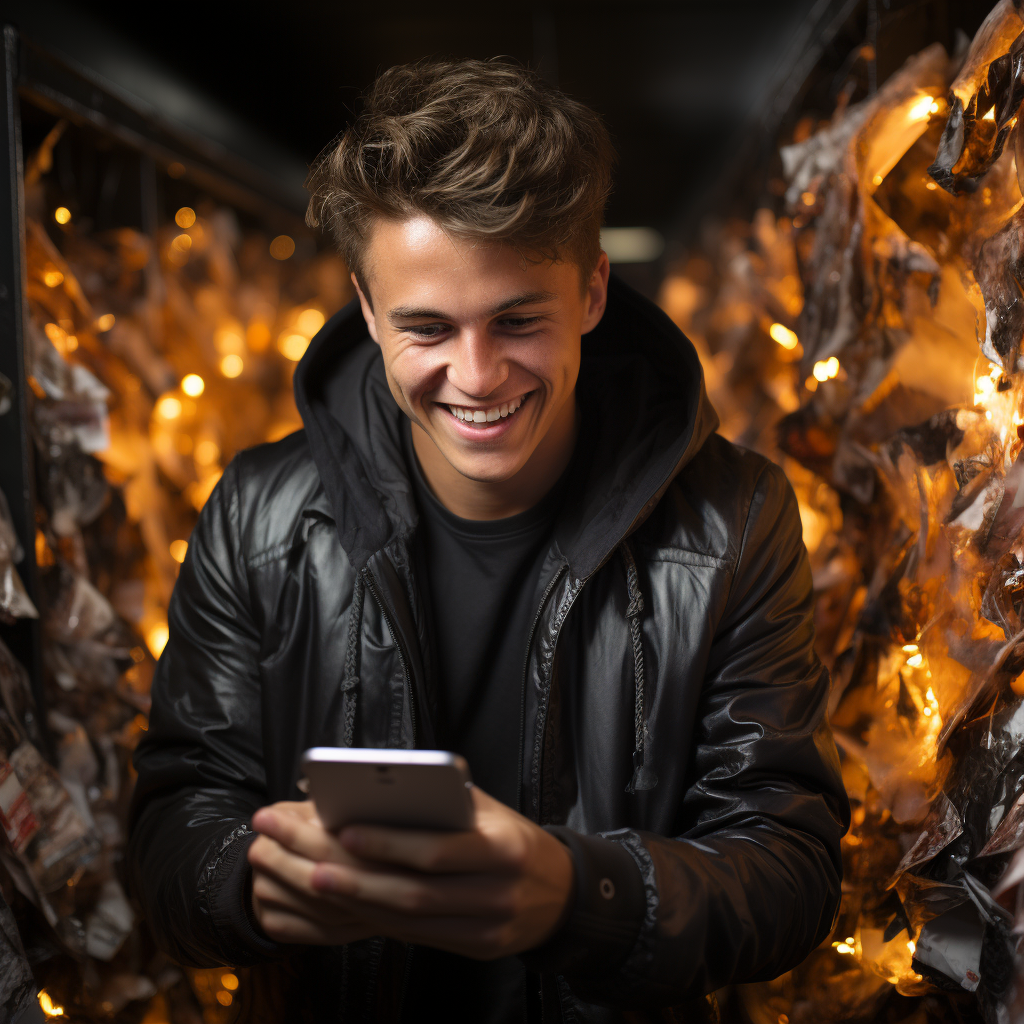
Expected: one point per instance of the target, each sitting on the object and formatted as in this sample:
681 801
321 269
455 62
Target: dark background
695 92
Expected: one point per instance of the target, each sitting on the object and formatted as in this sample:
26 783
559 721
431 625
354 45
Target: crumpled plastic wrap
987 94
896 407
153 358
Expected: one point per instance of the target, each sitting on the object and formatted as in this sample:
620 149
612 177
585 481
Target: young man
508 530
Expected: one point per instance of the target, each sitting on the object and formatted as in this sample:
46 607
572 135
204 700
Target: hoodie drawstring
644 777
350 684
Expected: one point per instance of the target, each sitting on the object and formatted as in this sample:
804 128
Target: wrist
604 912
562 875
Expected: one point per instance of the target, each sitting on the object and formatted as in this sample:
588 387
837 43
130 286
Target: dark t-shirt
481 581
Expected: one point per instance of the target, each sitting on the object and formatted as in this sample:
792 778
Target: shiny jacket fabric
672 701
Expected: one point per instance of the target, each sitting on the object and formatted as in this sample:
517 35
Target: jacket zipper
403 658
526 669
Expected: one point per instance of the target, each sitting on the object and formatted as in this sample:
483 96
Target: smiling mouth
485 417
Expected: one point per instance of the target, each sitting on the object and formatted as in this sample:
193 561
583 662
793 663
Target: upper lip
489 405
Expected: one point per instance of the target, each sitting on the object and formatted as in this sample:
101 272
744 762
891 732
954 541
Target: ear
596 297
371 322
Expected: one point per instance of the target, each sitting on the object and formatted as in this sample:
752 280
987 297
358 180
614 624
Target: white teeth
486 415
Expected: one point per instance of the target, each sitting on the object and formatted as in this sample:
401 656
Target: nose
478 366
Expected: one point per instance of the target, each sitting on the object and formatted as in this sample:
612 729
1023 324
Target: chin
487 470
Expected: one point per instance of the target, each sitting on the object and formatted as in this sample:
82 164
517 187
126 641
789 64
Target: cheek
413 372
556 361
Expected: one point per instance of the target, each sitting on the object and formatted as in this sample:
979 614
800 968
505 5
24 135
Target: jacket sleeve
754 884
200 772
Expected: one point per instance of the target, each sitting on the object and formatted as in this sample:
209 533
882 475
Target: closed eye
428 330
516 322
510 323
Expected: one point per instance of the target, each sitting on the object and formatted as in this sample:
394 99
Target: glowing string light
168 408
231 365
784 336
48 1006
293 346
826 369
193 385
282 247
156 638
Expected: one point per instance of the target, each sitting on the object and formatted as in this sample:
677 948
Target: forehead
410 259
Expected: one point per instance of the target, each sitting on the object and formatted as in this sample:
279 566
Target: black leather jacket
672 701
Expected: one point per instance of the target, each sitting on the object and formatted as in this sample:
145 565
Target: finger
480 938
269 891
270 857
299 808
300 833
293 871
471 895
483 801
432 852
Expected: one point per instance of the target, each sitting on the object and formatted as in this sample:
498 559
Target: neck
489 499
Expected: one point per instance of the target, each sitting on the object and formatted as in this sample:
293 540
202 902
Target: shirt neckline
521 523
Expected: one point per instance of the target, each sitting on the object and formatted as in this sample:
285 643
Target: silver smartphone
425 789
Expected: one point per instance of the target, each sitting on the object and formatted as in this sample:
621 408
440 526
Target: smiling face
481 350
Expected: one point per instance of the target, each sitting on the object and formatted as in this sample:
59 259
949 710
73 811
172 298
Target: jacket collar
645 413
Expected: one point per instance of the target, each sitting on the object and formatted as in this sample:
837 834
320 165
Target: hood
644 414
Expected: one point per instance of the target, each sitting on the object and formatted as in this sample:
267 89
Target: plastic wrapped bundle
904 444
153 359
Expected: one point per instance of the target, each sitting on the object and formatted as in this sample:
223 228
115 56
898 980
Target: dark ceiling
681 83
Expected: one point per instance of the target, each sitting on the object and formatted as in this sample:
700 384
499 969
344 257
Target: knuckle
278 926
258 851
505 907
416 901
430 859
517 857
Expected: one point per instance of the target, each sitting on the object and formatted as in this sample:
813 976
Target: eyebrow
419 313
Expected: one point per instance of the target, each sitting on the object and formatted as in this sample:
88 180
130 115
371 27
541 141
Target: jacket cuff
605 912
231 906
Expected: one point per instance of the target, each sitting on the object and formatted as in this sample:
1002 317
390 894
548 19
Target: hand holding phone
491 890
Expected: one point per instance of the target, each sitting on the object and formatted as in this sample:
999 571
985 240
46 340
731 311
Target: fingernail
325 881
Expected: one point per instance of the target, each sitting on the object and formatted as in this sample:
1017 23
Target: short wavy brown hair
486 148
